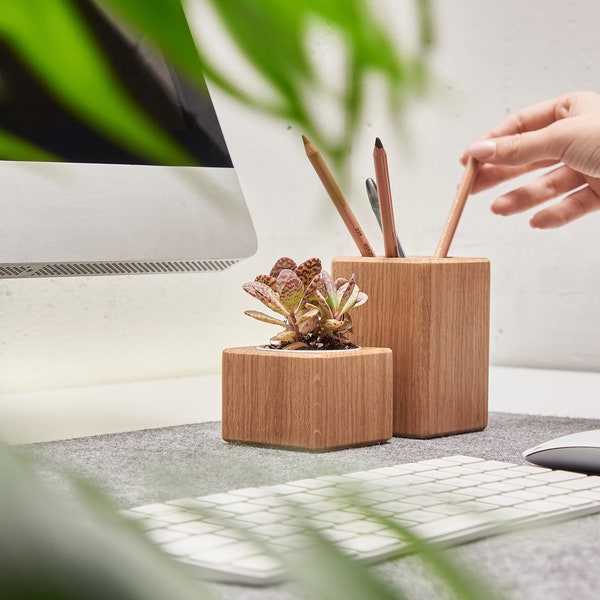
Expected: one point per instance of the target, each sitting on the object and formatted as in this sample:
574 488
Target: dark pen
374 201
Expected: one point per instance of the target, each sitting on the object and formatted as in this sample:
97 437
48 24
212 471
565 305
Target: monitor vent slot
16 271
114 268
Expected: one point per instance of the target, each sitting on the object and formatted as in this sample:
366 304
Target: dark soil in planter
326 344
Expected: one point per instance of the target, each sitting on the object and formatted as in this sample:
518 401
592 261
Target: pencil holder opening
434 315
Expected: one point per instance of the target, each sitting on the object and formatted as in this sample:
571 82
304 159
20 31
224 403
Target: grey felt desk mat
555 562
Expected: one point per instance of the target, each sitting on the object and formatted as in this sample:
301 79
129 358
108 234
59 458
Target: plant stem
294 324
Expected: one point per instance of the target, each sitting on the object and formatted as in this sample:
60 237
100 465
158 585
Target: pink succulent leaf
283 263
309 292
287 335
296 346
262 292
347 294
347 324
323 306
339 282
260 316
290 289
330 295
313 311
267 280
308 270
333 324
309 322
362 298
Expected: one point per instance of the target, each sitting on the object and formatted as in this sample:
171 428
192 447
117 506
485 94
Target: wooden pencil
384 192
332 188
464 189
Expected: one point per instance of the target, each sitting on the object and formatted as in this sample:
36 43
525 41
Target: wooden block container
310 400
434 315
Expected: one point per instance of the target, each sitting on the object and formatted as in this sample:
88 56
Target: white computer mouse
575 452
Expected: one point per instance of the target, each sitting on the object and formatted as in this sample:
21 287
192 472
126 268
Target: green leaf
463 584
52 38
165 23
16 149
272 35
325 573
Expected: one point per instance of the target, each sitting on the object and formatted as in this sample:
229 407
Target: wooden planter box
310 400
434 315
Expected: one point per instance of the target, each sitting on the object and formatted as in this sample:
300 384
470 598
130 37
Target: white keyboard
244 535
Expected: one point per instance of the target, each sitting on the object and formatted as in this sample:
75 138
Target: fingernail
482 149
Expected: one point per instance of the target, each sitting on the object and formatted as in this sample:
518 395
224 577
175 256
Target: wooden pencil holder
434 315
309 400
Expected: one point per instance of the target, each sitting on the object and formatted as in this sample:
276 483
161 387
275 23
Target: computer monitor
102 210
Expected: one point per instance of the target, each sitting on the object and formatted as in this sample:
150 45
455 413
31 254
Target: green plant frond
165 23
18 149
325 573
271 34
54 549
260 316
52 38
463 584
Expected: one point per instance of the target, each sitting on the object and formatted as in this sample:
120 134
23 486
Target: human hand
563 132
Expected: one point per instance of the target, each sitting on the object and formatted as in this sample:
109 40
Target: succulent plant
313 309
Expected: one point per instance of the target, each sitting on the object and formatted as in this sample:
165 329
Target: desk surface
27 417
554 562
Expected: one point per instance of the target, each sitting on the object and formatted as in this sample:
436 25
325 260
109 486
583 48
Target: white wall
491 58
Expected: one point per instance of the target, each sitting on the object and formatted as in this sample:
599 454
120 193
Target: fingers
546 187
532 118
573 206
491 175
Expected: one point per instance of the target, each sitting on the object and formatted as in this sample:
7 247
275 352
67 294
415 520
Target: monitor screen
100 208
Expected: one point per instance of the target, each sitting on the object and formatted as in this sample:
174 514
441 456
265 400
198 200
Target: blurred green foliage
53 40
54 548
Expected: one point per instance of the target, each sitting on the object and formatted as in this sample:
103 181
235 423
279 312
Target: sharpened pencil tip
378 143
305 140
